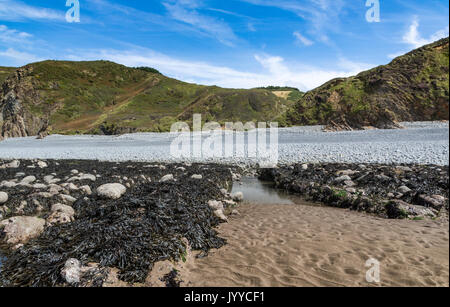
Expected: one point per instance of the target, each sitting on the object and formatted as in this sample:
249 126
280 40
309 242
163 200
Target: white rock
239 196
404 189
111 190
20 229
74 172
343 178
28 180
42 164
13 164
39 186
3 198
67 198
198 177
72 271
305 167
61 214
221 215
215 205
8 184
167 178
20 175
71 187
86 190
83 177
235 212
88 177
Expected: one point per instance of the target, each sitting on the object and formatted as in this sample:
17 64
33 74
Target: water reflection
256 191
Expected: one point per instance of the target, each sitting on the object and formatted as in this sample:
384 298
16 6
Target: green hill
5 72
104 97
413 87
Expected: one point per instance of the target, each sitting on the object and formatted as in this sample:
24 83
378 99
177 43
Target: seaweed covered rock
61 214
398 209
386 190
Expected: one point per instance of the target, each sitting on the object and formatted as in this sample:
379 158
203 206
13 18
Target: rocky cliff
413 87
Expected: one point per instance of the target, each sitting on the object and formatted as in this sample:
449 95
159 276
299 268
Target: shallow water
261 192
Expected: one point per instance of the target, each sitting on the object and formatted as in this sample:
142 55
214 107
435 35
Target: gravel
418 143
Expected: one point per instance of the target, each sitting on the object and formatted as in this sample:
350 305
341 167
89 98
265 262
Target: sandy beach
304 245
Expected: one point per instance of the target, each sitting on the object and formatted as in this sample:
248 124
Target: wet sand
303 245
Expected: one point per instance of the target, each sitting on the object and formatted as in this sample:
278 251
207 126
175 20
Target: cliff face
102 97
413 87
15 119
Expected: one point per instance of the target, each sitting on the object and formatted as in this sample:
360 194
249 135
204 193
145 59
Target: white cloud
12 36
413 37
275 70
16 10
18 57
303 40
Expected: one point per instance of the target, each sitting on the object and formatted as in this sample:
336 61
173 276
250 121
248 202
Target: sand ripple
300 245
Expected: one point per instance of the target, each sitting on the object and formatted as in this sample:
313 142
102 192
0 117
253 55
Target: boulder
111 190
398 209
343 178
435 201
3 198
28 180
221 215
21 229
72 271
198 177
86 190
239 196
42 164
13 164
39 186
404 189
7 184
61 214
67 198
215 205
167 178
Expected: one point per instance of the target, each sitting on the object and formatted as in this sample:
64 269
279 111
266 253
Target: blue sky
233 43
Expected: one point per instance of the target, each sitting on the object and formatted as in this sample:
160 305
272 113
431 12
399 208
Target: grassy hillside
5 72
413 87
289 93
104 97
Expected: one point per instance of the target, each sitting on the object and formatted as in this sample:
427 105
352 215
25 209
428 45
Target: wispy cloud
12 36
303 40
13 10
187 12
322 15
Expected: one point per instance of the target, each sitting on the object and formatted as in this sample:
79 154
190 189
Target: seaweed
145 226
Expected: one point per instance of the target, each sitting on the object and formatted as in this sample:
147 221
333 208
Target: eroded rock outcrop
17 95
